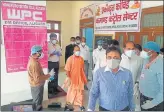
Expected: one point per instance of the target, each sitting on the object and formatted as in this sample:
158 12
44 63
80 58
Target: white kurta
85 53
98 55
100 63
134 65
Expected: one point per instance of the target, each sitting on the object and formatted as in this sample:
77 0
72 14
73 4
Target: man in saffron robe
75 72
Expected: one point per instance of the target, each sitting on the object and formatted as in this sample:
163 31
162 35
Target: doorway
88 33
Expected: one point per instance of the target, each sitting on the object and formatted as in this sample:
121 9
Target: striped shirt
114 90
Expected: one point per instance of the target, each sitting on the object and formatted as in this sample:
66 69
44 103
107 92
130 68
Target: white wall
15 86
148 4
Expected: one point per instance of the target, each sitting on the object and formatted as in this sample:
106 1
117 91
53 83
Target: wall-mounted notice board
104 37
23 26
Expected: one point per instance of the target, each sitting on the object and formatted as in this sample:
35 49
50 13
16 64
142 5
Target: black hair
78 37
162 50
83 38
113 48
53 35
139 47
113 42
129 42
76 46
72 38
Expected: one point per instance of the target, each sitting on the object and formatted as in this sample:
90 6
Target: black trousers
103 109
55 66
143 99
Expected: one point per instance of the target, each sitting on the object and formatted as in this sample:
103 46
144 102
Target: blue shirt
151 81
115 91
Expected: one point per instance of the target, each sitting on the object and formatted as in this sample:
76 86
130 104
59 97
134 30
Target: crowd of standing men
127 79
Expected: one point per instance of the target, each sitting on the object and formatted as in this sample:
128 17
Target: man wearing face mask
54 53
138 49
69 49
111 43
151 78
133 62
99 53
78 40
75 72
36 76
112 84
85 54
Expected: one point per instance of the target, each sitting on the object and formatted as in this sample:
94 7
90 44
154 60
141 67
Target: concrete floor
62 76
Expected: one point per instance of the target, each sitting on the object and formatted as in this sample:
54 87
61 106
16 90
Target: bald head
129 45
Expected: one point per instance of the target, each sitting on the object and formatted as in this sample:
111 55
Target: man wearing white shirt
78 40
85 54
54 53
98 53
131 61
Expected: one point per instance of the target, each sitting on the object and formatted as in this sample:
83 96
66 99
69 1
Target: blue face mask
145 55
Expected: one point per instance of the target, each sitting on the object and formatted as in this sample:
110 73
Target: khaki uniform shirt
35 73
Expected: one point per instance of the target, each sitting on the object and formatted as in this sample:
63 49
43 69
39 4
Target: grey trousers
37 94
86 68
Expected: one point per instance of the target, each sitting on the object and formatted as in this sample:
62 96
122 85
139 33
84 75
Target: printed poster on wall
23 26
118 16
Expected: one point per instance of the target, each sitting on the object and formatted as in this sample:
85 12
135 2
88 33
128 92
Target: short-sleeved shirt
151 80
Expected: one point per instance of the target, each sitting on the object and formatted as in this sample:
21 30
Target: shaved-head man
131 61
75 72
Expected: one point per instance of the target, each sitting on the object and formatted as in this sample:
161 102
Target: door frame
83 24
157 33
125 35
93 36
151 10
137 39
112 35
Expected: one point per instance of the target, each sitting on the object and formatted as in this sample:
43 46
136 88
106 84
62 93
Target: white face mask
54 41
83 43
130 53
99 47
72 43
113 63
144 55
78 41
42 55
77 53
